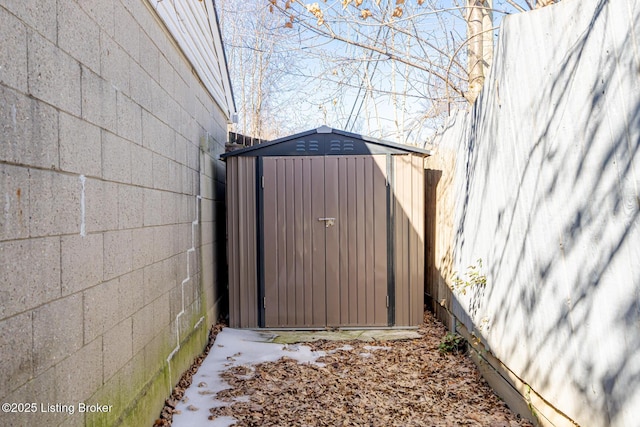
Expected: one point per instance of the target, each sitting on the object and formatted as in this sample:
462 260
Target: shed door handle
328 221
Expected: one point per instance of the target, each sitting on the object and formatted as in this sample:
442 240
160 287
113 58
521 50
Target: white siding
193 25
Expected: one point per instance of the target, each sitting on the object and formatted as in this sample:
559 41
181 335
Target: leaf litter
391 383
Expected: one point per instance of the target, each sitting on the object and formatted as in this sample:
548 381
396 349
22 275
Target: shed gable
325 141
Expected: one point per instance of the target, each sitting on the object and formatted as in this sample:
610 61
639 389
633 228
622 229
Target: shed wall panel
270 233
318 274
354 250
241 221
379 244
409 239
318 234
232 245
294 242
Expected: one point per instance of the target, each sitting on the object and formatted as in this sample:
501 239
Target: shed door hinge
387 301
264 302
262 181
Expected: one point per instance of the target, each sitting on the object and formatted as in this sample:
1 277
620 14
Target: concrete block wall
540 180
112 211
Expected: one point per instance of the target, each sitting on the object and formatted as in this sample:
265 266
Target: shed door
325 241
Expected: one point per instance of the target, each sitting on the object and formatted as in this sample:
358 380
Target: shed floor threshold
299 335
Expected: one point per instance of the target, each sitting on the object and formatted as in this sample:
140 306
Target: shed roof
325 141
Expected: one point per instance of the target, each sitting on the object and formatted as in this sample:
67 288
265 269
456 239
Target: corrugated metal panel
194 26
320 273
409 203
357 242
317 273
241 223
294 242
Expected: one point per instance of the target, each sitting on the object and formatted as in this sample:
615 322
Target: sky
302 80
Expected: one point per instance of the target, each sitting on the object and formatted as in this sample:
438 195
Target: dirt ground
391 383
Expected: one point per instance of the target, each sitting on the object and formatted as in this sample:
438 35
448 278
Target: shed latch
328 221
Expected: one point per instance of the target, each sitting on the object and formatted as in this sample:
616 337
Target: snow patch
232 348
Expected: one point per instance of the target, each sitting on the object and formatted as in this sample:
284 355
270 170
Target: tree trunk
475 48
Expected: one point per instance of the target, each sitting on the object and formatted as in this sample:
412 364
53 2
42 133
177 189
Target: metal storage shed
326 229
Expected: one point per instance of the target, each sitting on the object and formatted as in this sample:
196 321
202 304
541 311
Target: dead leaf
409 383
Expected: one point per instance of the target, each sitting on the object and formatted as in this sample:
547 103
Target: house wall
541 182
112 210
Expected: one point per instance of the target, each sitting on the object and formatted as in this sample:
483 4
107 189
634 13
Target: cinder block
141 166
14 181
191 182
161 178
78 35
152 207
130 206
207 268
13 55
174 183
44 387
98 100
159 347
194 257
180 155
143 328
117 253
165 75
16 364
117 347
131 293
175 304
127 32
149 56
102 12
29 273
29 130
162 105
39 15
101 205
116 158
206 213
140 89
142 247
79 376
193 157
207 232
181 92
187 208
162 242
82 262
161 312
57 331
101 309
129 119
157 136
80 150
169 200
54 76
172 116
133 377
207 167
180 261
114 64
55 203
159 278
206 187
